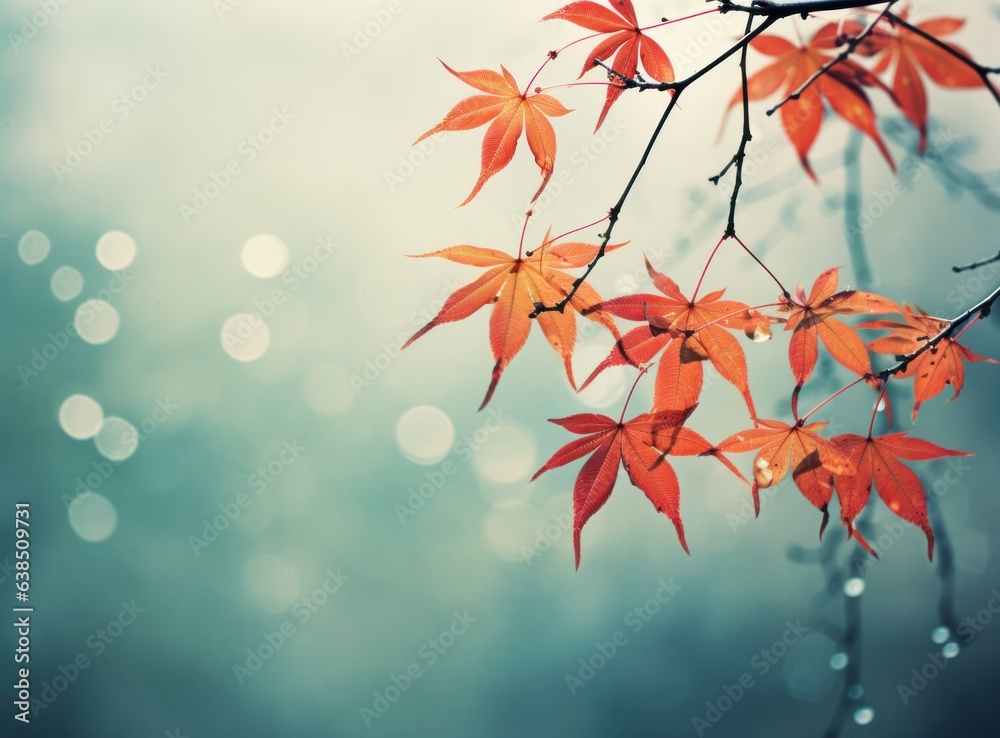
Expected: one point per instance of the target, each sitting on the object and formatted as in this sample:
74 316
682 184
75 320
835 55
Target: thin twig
976 264
852 44
982 71
980 310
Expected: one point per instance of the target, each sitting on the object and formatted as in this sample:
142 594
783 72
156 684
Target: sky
252 513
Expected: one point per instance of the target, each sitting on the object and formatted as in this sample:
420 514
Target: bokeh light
96 321
116 250
854 587
92 517
80 416
425 434
264 256
33 247
117 439
864 715
245 337
503 454
67 283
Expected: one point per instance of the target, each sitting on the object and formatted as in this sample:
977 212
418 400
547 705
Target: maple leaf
840 86
514 286
692 331
813 460
877 460
509 112
933 369
631 44
640 445
909 52
814 316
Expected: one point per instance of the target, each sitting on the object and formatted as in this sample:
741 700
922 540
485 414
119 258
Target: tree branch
979 310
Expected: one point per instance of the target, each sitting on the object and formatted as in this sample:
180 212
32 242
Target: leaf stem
763 266
694 295
642 370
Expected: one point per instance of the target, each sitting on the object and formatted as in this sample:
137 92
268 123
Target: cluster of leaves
681 333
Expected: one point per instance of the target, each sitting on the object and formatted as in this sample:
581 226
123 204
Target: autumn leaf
626 38
509 112
514 286
692 331
933 369
640 445
814 317
877 460
908 53
812 459
841 86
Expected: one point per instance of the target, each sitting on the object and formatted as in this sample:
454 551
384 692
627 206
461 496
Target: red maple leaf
627 38
910 53
514 286
877 461
813 460
640 445
840 86
813 317
933 369
511 112
692 331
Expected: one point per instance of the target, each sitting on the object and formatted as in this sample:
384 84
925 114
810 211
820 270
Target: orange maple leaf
813 459
511 112
909 53
933 369
692 331
841 86
877 461
640 445
814 316
515 286
626 38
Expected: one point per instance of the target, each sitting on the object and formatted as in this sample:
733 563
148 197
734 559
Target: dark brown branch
976 264
852 44
613 213
979 310
746 137
983 72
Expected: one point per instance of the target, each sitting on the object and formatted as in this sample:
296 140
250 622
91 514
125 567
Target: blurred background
252 515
